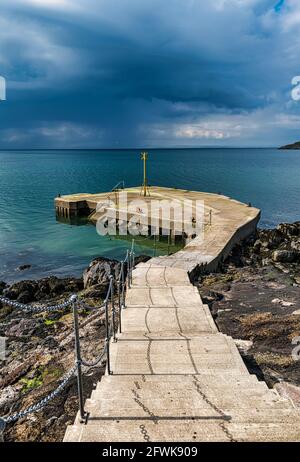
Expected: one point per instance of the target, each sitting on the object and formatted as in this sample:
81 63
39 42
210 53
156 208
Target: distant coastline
291 146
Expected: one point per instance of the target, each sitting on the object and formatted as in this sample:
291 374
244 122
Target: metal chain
40 404
96 361
91 308
67 377
34 308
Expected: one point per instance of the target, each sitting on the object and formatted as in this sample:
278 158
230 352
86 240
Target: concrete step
185 381
177 364
206 338
264 415
106 405
149 276
163 319
146 430
203 344
175 390
267 414
184 387
260 432
163 356
163 296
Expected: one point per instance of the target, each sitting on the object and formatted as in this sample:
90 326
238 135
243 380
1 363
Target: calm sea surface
29 181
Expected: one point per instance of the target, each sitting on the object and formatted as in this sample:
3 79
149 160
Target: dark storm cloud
123 73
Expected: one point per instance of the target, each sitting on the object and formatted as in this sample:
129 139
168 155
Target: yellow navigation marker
145 189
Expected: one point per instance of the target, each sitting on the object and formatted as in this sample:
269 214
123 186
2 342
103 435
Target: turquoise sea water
29 181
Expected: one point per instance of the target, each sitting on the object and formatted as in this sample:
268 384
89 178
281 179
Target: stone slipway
175 377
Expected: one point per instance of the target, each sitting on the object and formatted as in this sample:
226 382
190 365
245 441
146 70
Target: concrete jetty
218 210
175 376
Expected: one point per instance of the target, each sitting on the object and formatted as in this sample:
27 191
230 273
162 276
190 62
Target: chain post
132 259
113 307
119 288
123 287
154 250
2 428
128 268
131 268
107 334
121 295
78 359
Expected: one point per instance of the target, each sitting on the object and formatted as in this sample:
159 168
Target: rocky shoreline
291 146
254 297
40 349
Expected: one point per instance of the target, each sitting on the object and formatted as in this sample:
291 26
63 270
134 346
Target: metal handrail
116 187
110 328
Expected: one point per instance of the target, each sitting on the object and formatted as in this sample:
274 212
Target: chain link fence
76 304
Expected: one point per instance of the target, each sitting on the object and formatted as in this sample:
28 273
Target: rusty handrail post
121 295
107 339
113 313
128 268
132 261
78 359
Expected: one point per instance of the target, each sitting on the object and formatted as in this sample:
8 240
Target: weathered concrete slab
204 430
150 276
163 296
166 319
185 381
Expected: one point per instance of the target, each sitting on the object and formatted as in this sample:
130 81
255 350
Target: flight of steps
176 378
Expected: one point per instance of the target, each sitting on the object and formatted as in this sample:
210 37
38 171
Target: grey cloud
166 72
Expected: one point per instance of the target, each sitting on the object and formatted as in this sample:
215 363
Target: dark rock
24 267
295 244
25 297
50 342
43 289
141 259
275 246
23 328
54 287
209 296
53 316
99 271
98 291
2 286
19 288
289 229
285 256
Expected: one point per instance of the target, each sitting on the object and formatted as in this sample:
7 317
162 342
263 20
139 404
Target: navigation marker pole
145 189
